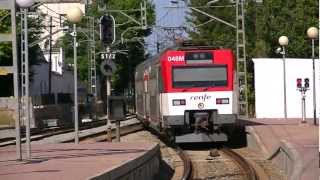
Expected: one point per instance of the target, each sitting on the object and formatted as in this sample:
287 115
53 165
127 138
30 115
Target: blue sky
165 17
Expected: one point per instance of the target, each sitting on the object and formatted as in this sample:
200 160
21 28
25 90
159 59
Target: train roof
183 47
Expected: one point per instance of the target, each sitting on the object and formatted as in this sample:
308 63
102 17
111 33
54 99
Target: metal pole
15 80
108 94
75 75
284 82
50 60
109 130
303 104
314 86
118 130
27 100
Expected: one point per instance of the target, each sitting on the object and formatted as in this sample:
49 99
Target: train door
159 97
154 96
146 95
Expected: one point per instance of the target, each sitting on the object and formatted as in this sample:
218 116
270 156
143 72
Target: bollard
109 133
117 130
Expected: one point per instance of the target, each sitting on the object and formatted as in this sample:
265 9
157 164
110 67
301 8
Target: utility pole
241 60
92 68
50 54
25 97
242 84
10 5
92 55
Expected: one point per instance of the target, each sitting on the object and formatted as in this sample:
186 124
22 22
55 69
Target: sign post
107 67
303 90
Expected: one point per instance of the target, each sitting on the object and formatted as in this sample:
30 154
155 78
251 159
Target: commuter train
189 92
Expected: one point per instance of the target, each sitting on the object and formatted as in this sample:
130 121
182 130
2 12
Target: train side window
160 85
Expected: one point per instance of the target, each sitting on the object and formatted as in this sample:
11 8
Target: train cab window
198 57
199 76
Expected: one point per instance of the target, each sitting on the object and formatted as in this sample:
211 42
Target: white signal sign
108 56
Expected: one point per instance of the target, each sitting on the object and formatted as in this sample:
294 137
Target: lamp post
24 5
312 33
283 41
74 15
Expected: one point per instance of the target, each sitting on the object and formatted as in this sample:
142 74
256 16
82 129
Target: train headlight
222 101
178 102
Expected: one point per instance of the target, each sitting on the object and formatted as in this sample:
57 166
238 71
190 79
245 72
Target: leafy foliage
264 24
6 48
125 62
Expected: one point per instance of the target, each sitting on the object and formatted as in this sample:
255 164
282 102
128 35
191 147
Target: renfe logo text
202 98
175 58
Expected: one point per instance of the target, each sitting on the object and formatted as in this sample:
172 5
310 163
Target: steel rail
247 168
187 166
124 130
39 134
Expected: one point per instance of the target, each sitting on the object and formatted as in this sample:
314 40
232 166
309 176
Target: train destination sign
175 58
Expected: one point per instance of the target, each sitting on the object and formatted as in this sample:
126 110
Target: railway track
186 162
40 134
249 172
187 166
223 163
191 164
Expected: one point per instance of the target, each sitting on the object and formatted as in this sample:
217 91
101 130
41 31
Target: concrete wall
59 83
144 167
8 106
7 112
269 82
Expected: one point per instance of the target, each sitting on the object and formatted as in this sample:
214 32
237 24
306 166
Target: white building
56 11
269 87
61 75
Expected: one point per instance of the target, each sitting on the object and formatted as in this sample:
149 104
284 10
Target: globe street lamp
74 15
24 5
312 33
283 41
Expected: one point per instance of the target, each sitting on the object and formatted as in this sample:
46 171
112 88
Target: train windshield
214 76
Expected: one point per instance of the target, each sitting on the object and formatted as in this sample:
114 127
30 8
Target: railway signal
107 29
108 67
303 90
306 83
299 83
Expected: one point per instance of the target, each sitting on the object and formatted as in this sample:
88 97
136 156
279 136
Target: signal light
306 82
107 29
222 101
178 102
299 82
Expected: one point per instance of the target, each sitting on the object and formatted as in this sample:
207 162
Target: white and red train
188 92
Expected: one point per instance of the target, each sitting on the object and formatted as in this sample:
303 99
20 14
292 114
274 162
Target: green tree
135 51
275 18
264 24
213 33
6 48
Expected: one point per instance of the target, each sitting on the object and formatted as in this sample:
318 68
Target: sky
165 17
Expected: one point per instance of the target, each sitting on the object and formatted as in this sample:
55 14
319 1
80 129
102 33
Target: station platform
293 146
65 161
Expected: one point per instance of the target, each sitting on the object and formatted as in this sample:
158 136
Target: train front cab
196 124
195 109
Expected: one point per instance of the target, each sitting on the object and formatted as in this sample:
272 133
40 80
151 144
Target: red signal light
299 82
222 101
178 102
